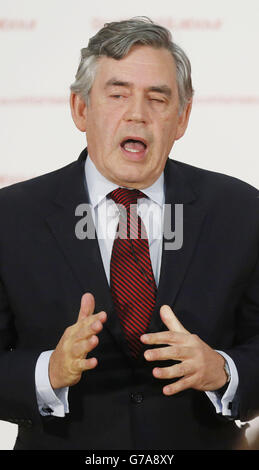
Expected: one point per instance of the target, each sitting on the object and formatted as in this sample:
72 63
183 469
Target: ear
78 111
183 120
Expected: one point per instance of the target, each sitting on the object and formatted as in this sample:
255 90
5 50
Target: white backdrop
40 44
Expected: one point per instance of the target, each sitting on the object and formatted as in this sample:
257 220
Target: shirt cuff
49 401
223 404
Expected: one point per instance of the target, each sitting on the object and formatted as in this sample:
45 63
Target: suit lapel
175 263
83 255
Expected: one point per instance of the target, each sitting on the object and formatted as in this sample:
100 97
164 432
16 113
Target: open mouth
134 147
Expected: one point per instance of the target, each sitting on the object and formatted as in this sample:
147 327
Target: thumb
170 320
87 306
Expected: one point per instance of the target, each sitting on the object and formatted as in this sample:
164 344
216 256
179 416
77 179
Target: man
120 342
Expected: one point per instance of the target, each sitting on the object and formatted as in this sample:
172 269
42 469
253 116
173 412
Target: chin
128 181
121 171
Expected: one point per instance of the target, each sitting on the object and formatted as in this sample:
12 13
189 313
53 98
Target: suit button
136 398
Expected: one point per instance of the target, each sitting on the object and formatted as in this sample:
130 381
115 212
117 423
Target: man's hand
68 361
200 366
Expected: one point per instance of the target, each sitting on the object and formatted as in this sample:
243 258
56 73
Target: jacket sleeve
246 353
18 403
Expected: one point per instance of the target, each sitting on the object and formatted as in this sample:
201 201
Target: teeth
130 149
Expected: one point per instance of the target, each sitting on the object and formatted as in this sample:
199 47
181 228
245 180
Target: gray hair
116 39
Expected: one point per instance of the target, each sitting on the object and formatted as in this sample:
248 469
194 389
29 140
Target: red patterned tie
132 281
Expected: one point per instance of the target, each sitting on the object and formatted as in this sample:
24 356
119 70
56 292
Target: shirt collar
98 186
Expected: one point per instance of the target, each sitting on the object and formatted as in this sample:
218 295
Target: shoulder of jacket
213 182
42 186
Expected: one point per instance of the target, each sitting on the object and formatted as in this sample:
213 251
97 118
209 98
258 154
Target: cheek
165 135
98 130
108 125
168 130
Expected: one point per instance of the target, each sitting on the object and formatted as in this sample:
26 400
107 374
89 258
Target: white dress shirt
106 216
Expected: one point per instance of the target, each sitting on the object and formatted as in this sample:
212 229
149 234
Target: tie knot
125 196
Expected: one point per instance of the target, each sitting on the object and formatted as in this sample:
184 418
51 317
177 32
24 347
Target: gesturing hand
68 361
200 366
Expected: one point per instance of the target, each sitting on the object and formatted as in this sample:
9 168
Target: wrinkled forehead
143 66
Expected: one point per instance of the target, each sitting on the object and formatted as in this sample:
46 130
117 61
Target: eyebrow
163 89
115 82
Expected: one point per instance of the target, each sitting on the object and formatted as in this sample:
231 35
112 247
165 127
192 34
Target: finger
87 306
163 337
89 326
171 352
178 370
178 386
82 348
101 316
171 321
87 364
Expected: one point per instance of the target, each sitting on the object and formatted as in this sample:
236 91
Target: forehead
143 66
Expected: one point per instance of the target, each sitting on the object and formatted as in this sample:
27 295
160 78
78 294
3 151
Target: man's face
132 119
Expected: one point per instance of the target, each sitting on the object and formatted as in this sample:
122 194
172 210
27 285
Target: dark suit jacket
212 284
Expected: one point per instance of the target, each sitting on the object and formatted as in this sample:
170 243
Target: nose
136 110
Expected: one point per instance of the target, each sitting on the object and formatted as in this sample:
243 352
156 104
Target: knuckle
96 326
100 315
90 320
169 389
182 369
152 354
171 336
75 368
197 380
81 364
164 373
93 341
175 351
185 383
150 338
176 387
84 327
79 348
83 346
